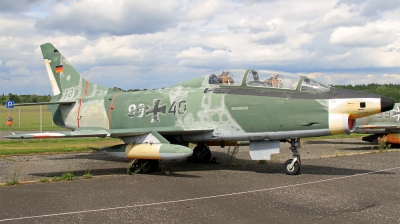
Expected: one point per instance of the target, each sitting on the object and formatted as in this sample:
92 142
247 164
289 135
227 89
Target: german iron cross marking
155 110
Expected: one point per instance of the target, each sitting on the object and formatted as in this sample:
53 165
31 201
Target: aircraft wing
102 132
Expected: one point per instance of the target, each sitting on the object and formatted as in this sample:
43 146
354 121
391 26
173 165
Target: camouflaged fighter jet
223 108
385 123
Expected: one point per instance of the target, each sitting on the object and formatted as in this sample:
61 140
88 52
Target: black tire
201 154
146 166
295 169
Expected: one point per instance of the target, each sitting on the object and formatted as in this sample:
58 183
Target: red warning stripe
110 109
78 117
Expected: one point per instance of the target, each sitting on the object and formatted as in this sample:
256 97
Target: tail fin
64 79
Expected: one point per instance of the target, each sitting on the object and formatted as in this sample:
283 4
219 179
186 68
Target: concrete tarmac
361 188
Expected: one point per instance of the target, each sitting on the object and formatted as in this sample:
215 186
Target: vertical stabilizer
64 79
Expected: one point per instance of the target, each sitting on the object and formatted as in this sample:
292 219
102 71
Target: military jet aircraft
261 107
385 123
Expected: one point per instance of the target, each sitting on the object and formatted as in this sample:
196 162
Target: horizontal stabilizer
45 103
78 133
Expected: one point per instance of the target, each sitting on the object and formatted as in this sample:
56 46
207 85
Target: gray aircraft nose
386 103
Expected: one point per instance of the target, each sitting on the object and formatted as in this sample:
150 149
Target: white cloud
14 63
198 10
373 8
18 6
260 31
197 56
20 71
252 25
15 26
93 18
391 78
276 56
371 35
339 16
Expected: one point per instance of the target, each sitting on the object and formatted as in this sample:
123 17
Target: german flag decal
59 68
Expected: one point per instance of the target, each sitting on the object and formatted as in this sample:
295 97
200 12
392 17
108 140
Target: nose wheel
292 166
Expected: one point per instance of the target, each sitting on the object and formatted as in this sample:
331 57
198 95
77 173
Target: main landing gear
292 166
144 166
201 153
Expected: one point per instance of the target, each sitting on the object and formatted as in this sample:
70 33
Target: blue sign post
9 104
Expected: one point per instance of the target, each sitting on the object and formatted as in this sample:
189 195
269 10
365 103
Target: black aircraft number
383 115
139 110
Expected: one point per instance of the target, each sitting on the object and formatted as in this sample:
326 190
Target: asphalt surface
361 187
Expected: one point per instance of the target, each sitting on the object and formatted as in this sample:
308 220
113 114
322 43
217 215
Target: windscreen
309 85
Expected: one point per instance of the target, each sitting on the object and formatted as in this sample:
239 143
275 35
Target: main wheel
295 169
201 154
145 166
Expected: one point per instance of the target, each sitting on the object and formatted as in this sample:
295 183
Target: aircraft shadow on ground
365 145
93 156
178 168
338 143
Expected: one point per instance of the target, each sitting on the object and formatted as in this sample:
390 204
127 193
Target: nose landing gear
292 166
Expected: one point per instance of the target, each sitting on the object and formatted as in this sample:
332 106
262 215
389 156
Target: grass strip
21 147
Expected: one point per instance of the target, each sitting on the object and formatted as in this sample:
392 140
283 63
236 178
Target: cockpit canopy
265 79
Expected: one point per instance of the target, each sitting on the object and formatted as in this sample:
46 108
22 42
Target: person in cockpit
213 79
225 78
255 75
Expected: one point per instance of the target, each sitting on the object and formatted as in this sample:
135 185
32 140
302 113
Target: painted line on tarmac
199 198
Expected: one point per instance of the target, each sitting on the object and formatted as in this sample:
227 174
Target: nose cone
386 103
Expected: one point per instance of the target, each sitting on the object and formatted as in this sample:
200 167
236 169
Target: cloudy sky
152 44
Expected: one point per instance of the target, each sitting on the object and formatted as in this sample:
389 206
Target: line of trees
389 90
29 98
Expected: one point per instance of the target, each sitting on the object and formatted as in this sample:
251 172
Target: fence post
40 118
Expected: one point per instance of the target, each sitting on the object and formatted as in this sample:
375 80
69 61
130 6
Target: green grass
69 176
27 118
87 175
13 181
56 179
17 147
45 179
